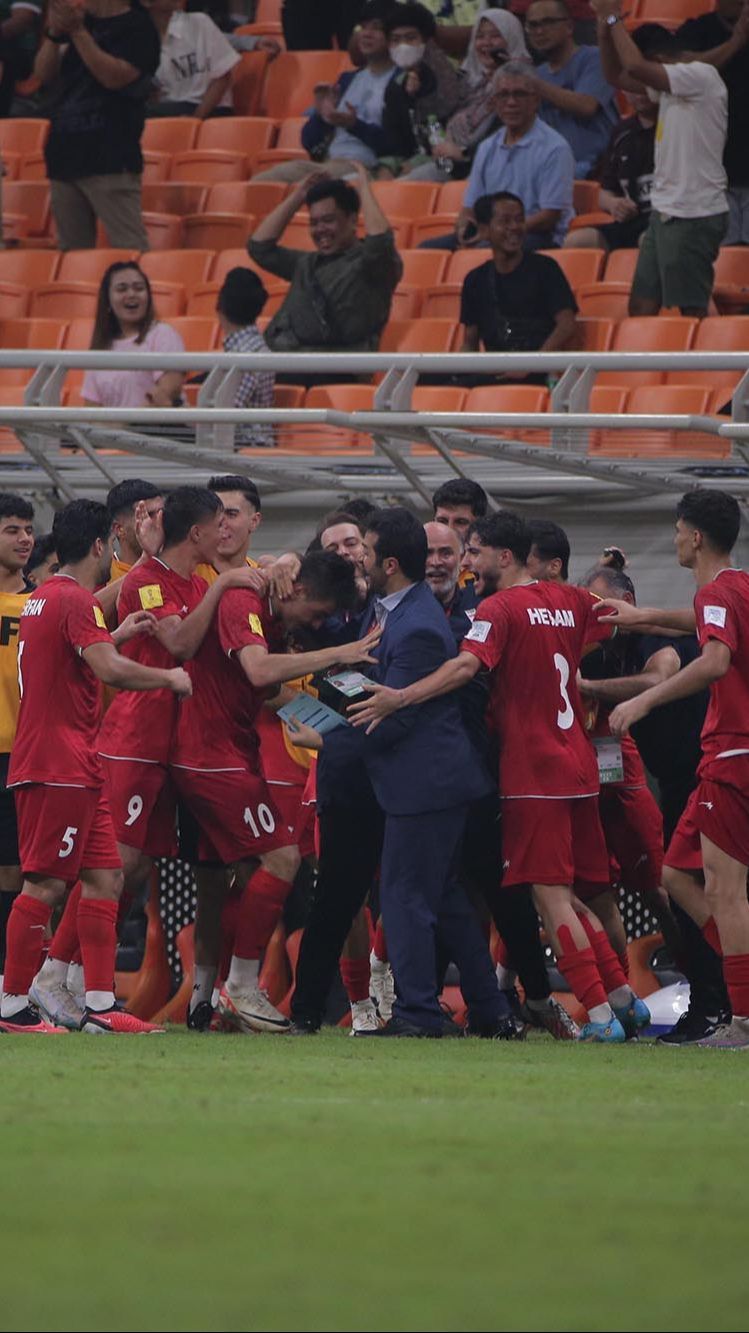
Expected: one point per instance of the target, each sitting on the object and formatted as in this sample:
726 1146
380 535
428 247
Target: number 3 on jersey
566 715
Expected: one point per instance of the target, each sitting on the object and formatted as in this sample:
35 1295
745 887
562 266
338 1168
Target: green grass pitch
230 1183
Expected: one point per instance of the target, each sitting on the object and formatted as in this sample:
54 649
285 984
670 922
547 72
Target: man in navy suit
425 774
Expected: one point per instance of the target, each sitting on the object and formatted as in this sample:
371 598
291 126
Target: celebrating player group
432 716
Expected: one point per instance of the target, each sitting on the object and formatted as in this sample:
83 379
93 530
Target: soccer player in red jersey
531 636
712 836
216 763
64 827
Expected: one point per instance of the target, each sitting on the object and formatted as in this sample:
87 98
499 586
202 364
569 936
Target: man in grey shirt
340 293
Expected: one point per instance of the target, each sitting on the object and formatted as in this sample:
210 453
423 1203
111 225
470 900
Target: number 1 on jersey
566 716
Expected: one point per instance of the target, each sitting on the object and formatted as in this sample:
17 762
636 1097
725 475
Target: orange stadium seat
169 298
463 261
406 302
419 335
28 268
11 395
667 399
297 234
450 198
291 78
247 82
268 11
400 199
289 395
156 166
671 13
90 265
31 198
15 299
731 291
174 197
438 398
23 136
273 29
217 231
332 439
246 135
170 134
585 196
578 266
511 398
596 335
64 300
37 333
165 231
442 301
606 300
608 399
423 268
439 224
716 333
621 265
257 197
288 145
670 333
235 258
78 333
199 333
32 167
209 165
187 267
202 299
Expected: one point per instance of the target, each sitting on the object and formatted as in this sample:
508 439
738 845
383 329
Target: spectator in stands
445 97
312 27
689 215
43 562
496 38
430 85
456 20
126 321
364 116
516 302
525 157
340 293
238 306
98 59
721 40
194 74
577 100
20 21
626 177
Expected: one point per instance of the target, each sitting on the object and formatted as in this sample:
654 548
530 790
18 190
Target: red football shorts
143 804
722 814
298 819
633 829
62 829
235 811
557 841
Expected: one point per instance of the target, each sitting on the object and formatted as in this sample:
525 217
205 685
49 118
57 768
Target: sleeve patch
256 624
150 596
480 631
99 617
714 615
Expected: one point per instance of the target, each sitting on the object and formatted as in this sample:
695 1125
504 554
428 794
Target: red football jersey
722 611
141 725
216 727
60 711
532 638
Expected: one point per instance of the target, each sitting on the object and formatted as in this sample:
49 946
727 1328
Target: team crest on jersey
99 617
256 624
714 615
150 596
480 631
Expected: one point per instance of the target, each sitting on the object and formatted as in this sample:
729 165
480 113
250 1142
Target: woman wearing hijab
496 38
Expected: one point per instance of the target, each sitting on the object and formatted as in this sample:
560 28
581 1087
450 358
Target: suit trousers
423 908
350 847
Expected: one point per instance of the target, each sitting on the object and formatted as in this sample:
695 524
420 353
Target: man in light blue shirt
527 158
578 102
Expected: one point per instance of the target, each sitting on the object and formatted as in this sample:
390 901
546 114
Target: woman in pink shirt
126 322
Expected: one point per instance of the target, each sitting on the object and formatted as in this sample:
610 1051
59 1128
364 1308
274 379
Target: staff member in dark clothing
98 61
309 26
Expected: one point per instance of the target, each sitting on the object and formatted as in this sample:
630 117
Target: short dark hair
186 506
44 546
652 39
400 536
617 582
504 531
106 324
242 296
359 507
715 514
344 196
127 494
484 206
462 491
329 578
76 527
551 542
560 4
14 506
411 16
340 516
230 482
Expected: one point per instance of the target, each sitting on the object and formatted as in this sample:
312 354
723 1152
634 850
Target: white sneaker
363 1017
250 1010
382 986
55 1002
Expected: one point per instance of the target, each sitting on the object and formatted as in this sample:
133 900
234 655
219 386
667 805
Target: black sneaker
505 1029
29 1020
692 1027
200 1018
303 1027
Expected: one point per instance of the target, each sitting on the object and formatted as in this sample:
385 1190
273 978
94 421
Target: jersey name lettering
540 615
34 606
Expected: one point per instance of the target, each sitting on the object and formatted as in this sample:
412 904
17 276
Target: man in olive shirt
340 293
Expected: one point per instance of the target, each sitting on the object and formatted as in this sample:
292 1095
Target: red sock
710 932
355 977
97 931
380 948
64 942
579 969
624 960
259 913
609 967
736 973
24 940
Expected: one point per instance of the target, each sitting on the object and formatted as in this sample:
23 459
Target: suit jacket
420 759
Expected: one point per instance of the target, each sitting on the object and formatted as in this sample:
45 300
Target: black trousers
350 850
311 25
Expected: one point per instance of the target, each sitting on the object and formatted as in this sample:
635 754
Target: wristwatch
611 19
59 40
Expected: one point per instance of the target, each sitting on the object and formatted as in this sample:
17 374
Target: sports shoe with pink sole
29 1022
116 1021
